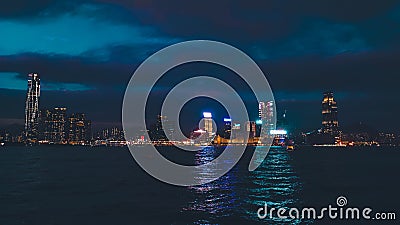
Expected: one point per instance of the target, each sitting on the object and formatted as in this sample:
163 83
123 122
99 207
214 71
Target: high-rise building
330 133
117 134
53 123
160 134
258 127
251 128
32 108
227 128
78 129
266 114
162 128
329 113
237 131
208 123
112 134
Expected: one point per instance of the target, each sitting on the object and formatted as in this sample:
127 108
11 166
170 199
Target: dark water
83 185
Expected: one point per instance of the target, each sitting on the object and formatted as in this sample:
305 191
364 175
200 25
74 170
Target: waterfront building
32 109
266 114
251 129
258 127
329 134
53 124
330 122
113 134
227 128
208 124
159 130
162 128
78 129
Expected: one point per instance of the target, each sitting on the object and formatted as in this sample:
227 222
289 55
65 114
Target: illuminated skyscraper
227 128
329 113
208 123
251 128
78 129
266 114
32 108
236 131
54 125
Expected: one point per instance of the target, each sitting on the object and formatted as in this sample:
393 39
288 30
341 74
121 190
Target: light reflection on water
237 195
212 200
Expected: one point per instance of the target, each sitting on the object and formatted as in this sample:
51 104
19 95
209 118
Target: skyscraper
158 133
53 122
208 123
329 113
78 129
251 128
266 114
236 131
227 128
32 108
162 128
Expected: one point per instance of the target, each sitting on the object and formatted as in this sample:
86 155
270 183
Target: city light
207 115
283 132
227 120
259 122
200 131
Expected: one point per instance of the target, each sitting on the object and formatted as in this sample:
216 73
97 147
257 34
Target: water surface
84 185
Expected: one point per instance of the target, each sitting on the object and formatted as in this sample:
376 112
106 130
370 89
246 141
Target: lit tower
208 123
329 113
54 125
78 129
266 114
227 128
251 128
32 108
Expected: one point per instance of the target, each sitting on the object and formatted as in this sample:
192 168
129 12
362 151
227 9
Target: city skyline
51 125
329 120
265 113
54 126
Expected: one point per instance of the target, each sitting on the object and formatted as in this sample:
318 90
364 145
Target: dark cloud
345 11
23 8
368 72
213 19
68 69
39 9
248 20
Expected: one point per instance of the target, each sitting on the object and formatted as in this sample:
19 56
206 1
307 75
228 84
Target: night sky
86 52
